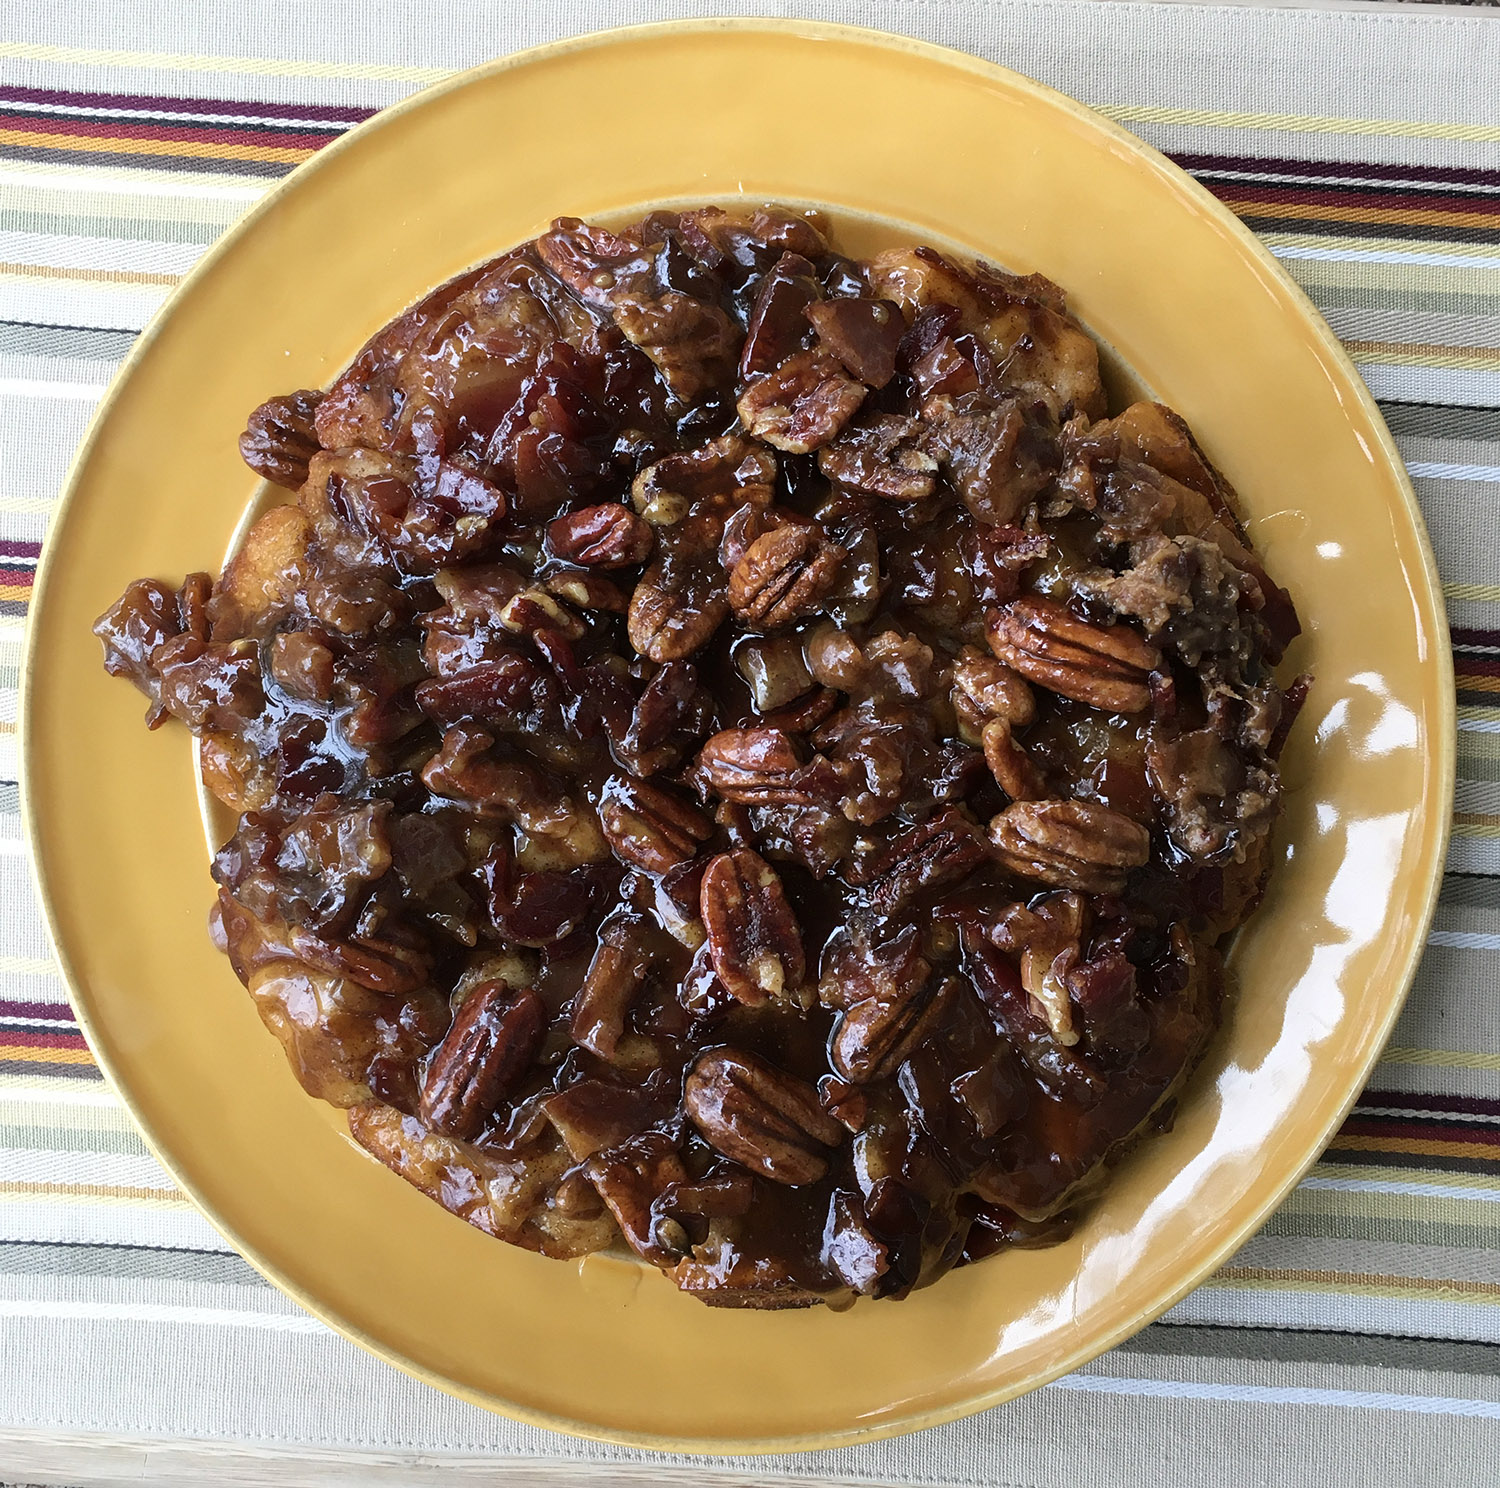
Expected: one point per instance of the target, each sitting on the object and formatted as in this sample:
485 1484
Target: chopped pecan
721 477
607 536
760 1116
992 689
753 937
1047 934
1010 764
784 576
882 457
862 334
630 1178
589 591
534 610
777 327
280 438
859 964
648 826
1107 667
615 975
481 1058
1070 844
803 404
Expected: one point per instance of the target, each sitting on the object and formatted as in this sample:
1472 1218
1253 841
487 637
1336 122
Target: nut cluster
737 754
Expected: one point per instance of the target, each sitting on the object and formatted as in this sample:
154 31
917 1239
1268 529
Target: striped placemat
1365 1318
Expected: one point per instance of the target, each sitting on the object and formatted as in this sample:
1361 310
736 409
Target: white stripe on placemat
1431 470
1384 255
1427 1405
1398 1186
160 1312
26 387
1465 940
45 1167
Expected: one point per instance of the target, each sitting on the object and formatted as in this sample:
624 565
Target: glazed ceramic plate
933 146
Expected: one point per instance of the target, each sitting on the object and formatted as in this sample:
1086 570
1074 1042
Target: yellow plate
927 144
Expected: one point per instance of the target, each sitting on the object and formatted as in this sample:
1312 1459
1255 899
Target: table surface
1358 1338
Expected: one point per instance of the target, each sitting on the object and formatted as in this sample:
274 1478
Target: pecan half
940 851
1069 844
1106 667
765 767
803 404
674 615
481 1058
872 1039
784 575
884 457
649 827
280 439
753 937
607 536
760 1116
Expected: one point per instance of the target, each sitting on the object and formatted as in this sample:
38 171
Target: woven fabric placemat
1357 1339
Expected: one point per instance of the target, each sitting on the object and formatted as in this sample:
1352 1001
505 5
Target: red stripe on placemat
172 103
1417 1130
185 134
1465 1104
1392 200
1445 175
21 1038
55 1012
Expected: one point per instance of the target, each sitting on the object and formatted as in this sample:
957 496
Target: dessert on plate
739 752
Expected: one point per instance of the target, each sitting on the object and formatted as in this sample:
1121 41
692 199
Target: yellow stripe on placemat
125 145
1476 824
1478 684
1376 216
1145 113
166 1196
1443 1059
1425 354
1483 593
1417 1147
247 66
26 1054
92 276
1366 1283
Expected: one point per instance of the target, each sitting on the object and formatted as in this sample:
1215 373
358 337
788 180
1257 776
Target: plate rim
1441 765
